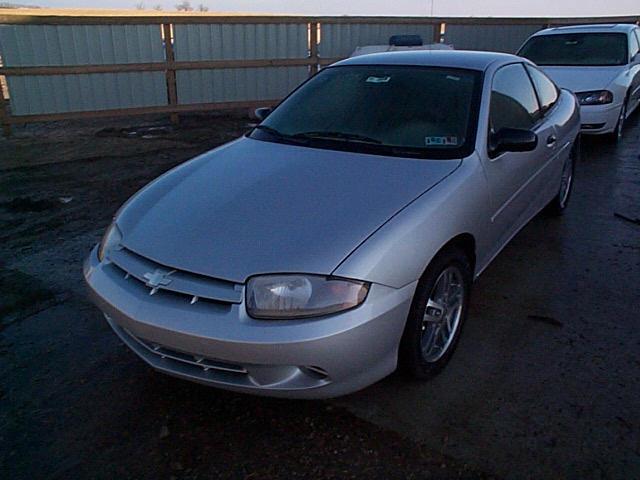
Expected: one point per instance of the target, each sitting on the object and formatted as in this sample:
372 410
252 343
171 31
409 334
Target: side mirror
512 140
263 112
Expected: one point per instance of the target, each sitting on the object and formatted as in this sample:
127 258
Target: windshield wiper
409 152
271 130
341 136
318 135
278 134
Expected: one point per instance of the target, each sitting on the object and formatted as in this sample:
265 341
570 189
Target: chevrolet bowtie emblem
156 279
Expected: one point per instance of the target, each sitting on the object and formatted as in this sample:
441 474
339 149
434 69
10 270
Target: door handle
551 140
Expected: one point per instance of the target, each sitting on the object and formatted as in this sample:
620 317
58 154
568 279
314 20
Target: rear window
577 49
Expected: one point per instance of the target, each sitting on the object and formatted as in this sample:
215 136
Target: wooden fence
63 67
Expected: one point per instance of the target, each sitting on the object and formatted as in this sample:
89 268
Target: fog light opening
315 372
592 126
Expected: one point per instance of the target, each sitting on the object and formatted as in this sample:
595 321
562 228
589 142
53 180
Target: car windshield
579 49
426 112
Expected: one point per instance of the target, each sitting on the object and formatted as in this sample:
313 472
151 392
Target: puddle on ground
137 132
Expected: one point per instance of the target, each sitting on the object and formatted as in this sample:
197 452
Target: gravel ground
544 383
75 403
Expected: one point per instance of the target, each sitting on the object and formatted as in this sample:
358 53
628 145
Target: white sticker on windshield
441 141
373 79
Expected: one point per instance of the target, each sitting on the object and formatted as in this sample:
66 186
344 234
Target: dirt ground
74 402
544 384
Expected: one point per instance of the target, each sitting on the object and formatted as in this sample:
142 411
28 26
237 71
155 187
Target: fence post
313 48
170 71
4 108
437 32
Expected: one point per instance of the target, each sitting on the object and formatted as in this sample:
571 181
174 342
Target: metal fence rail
60 67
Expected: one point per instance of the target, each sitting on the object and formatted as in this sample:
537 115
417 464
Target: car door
514 177
548 96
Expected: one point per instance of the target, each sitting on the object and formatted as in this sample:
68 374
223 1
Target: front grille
220 372
206 364
159 277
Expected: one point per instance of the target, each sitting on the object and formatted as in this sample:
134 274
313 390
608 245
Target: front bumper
599 119
220 345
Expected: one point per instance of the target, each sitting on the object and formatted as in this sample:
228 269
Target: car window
513 100
547 90
579 49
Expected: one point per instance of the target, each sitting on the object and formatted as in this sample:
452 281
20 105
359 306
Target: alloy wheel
620 125
442 314
566 180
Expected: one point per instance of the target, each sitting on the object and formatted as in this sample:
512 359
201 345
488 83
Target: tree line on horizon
183 6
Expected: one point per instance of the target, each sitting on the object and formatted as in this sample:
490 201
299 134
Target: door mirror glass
263 112
513 140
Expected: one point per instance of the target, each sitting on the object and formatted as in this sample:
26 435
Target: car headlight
599 97
302 296
111 239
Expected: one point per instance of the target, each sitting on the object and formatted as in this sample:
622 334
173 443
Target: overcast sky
476 8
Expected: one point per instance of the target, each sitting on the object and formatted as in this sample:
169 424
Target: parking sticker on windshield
373 79
441 141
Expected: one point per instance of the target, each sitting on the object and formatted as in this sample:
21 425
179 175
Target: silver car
600 63
340 237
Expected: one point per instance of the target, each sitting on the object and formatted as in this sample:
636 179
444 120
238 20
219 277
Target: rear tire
437 315
558 205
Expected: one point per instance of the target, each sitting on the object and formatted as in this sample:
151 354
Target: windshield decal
441 141
374 79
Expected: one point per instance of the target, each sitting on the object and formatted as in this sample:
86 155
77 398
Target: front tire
617 134
437 315
558 205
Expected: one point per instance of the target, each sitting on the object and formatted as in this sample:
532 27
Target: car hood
253 207
583 79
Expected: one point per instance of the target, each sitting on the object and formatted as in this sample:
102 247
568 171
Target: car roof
434 58
593 28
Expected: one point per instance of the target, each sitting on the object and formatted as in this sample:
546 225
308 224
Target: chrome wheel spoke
455 299
434 312
436 335
450 323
